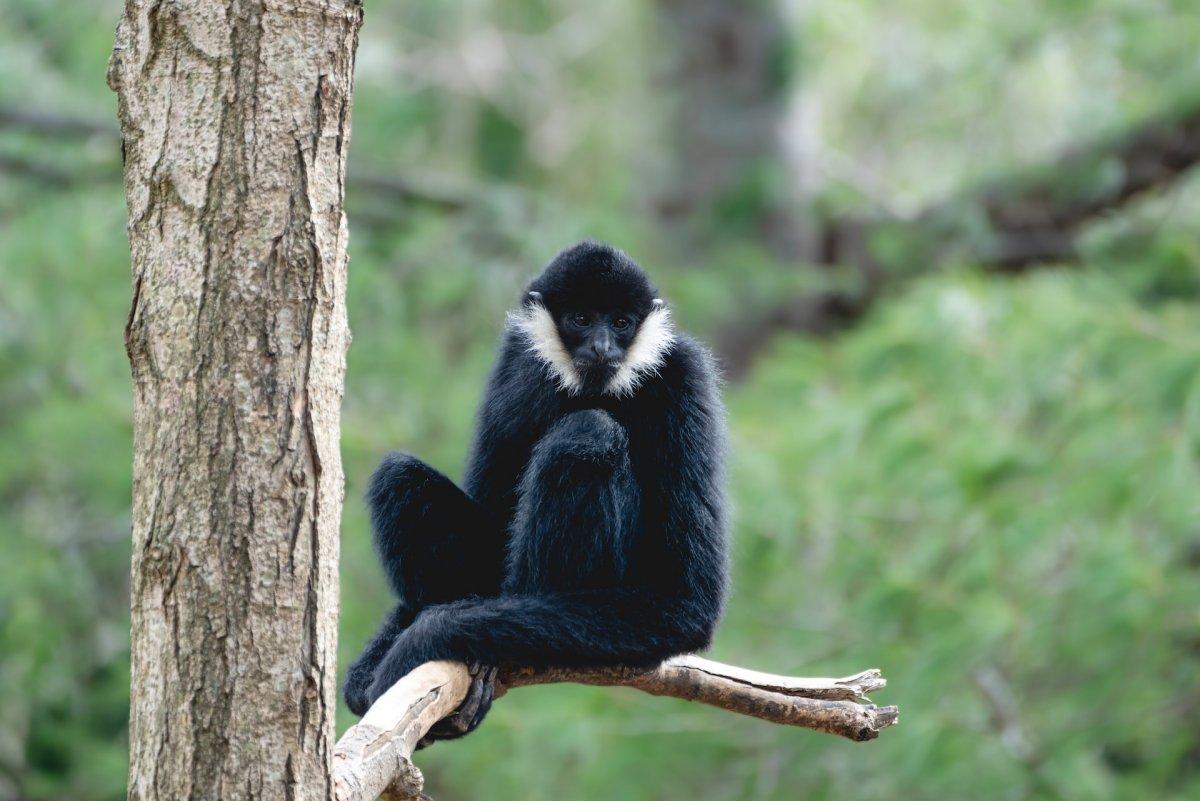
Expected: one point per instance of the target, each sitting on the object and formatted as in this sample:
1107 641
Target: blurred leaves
988 477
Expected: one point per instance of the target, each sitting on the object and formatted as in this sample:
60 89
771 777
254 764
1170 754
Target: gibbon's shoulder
689 364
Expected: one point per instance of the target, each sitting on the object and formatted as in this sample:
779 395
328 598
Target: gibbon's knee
419 518
398 488
590 435
395 478
400 485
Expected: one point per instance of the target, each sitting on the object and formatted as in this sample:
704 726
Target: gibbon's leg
577 509
362 671
436 545
577 482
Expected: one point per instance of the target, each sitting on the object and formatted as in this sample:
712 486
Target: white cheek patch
541 334
643 358
645 354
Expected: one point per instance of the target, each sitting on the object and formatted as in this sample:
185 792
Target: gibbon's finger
488 680
467 711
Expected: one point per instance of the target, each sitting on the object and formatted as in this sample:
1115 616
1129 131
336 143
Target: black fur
594 276
592 528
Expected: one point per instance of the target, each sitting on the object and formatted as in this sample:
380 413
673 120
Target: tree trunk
235 124
729 74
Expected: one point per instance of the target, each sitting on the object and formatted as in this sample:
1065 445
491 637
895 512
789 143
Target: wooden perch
374 757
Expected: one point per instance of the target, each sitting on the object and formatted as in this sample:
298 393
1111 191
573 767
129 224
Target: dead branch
374 757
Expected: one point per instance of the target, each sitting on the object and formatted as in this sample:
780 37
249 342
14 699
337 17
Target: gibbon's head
593 318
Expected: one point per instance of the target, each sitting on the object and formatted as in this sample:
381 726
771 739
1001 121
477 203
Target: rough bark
374 757
235 120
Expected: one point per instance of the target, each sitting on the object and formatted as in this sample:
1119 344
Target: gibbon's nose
604 348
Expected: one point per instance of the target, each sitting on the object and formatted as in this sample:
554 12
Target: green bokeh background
991 482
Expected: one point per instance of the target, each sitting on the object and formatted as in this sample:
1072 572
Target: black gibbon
591 527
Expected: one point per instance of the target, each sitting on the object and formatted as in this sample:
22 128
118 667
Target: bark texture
235 120
374 757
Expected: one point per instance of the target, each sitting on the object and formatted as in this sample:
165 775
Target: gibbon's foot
470 713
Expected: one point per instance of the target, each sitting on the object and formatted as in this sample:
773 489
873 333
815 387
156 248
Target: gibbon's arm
499 447
690 480
361 672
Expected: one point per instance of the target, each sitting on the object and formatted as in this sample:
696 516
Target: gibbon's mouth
594 374
599 365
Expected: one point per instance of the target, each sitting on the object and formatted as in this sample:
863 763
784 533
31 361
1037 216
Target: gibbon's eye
580 320
621 323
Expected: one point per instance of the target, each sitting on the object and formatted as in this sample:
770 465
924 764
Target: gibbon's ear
534 297
658 303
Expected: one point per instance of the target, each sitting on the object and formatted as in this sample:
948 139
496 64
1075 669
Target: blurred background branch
1007 225
437 191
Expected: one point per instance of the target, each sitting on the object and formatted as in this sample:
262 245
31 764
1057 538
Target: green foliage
990 483
64 524
965 485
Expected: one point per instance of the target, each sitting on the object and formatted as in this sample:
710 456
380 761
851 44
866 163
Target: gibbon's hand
470 713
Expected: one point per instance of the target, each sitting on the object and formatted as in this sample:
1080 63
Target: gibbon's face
593 320
597 341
